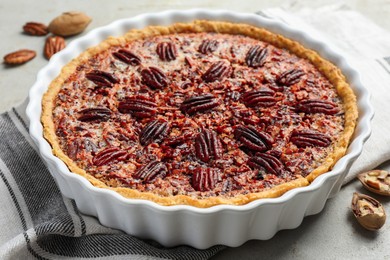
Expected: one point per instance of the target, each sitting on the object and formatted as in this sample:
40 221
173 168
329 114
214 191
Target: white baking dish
197 227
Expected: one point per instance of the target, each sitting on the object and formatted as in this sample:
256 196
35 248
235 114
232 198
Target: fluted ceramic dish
198 227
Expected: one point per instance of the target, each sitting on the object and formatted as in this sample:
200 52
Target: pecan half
256 56
36 29
127 56
253 139
217 71
208 146
154 132
154 77
102 78
109 155
304 138
290 77
204 179
19 57
73 148
199 104
317 106
208 46
267 162
138 106
166 51
53 45
263 97
150 171
94 114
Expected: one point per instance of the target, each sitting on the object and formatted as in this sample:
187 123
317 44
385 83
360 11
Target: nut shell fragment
368 211
69 23
376 181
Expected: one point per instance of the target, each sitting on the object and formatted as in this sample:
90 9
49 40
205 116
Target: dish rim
118 27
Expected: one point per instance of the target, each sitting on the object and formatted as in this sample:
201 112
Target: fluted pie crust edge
329 70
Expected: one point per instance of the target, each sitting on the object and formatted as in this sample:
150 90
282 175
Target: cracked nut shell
368 211
376 181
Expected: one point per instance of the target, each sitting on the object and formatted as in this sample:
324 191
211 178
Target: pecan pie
200 114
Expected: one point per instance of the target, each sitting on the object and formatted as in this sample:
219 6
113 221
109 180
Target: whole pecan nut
317 106
208 146
36 29
256 56
166 51
253 139
138 106
102 78
204 178
199 104
154 77
19 57
304 138
150 171
109 155
217 71
127 56
53 45
69 23
154 132
263 97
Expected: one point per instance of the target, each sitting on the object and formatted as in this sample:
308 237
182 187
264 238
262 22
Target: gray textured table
332 234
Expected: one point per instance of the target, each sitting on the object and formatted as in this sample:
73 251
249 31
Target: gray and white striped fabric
37 222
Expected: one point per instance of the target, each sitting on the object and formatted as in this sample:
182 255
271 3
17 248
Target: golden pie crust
329 70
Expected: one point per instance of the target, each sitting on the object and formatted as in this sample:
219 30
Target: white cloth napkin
367 48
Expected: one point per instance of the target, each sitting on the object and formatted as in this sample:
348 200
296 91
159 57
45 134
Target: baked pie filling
191 115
